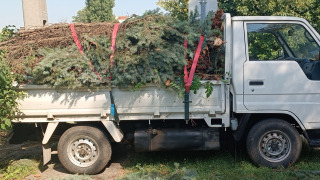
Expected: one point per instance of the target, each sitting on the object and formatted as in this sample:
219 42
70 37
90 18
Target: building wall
212 5
35 13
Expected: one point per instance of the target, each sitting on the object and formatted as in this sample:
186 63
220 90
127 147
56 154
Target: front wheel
273 143
84 150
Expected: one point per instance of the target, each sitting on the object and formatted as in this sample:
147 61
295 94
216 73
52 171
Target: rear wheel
84 150
273 143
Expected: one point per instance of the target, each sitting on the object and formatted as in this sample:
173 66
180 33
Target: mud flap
114 131
46 149
46 152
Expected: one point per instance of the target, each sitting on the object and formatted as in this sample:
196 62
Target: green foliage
98 50
226 78
196 83
142 173
65 67
95 11
197 27
149 50
178 86
137 86
7 32
209 88
308 9
81 16
20 169
177 8
8 94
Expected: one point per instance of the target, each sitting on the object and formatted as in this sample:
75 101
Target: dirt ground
54 170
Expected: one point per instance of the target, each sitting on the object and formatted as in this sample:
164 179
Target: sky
63 10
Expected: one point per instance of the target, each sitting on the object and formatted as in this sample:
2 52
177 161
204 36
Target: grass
74 177
20 169
189 165
216 165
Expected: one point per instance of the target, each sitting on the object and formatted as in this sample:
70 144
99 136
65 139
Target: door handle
256 83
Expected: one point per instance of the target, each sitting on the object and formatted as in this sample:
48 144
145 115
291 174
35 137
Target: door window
284 42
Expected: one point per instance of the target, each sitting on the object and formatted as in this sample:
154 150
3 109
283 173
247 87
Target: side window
263 46
301 43
284 42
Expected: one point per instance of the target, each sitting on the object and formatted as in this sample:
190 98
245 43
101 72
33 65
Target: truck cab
275 79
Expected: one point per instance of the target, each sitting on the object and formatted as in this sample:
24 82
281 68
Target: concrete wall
212 5
35 13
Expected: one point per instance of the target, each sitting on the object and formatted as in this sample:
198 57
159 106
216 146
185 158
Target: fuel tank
176 139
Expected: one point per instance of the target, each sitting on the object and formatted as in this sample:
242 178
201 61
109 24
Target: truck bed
45 104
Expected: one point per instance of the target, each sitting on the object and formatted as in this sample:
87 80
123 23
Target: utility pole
203 7
35 13
203 4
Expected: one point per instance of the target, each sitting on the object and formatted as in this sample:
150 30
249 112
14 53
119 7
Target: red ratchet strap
188 78
76 40
113 43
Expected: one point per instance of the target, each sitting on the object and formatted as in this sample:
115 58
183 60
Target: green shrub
8 94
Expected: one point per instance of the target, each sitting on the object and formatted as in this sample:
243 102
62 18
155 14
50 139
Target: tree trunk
5 136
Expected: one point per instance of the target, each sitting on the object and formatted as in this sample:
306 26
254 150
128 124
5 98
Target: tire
84 150
273 143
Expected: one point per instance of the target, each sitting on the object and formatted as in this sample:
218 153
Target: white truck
270 100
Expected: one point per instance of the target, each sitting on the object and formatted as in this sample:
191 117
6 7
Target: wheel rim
83 152
275 146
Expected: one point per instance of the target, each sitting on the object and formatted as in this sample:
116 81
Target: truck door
282 70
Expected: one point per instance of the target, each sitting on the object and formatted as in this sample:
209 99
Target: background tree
177 8
308 9
7 32
95 11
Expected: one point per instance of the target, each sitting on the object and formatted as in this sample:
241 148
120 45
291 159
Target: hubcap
275 146
83 152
